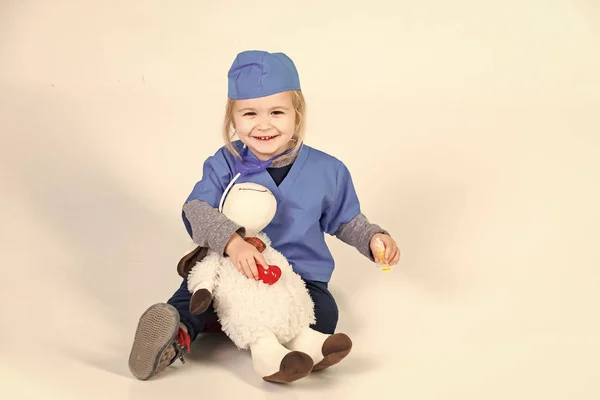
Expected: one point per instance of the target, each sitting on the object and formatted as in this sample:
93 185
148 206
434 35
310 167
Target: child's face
266 125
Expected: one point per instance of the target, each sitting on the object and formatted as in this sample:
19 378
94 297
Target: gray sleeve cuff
358 233
210 228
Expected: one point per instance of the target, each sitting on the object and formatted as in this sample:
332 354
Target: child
314 193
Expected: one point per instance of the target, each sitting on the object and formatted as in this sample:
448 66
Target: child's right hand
245 256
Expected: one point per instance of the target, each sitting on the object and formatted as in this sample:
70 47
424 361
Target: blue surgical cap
257 73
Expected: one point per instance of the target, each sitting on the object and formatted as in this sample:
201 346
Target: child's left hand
392 252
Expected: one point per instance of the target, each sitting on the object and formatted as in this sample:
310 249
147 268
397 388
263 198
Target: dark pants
326 311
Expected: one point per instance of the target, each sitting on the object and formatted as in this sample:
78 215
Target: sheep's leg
325 350
274 363
201 281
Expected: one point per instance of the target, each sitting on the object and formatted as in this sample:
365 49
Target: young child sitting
314 192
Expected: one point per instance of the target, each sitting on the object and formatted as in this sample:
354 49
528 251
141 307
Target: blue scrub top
316 197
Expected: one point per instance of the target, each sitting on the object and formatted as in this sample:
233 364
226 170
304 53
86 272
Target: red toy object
269 275
183 339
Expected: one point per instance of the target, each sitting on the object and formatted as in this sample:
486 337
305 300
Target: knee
326 316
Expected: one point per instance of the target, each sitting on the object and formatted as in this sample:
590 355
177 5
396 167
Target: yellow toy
380 256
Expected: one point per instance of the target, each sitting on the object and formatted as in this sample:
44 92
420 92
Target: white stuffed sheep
271 320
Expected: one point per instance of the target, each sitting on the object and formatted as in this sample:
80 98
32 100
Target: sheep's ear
188 262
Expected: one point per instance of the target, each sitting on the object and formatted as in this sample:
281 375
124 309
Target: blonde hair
299 104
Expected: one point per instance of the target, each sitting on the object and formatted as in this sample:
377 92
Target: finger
252 271
254 268
388 251
241 267
374 252
395 257
261 260
246 268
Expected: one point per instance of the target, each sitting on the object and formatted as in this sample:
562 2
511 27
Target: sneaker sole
156 331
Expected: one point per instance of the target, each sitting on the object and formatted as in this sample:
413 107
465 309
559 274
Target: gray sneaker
157 341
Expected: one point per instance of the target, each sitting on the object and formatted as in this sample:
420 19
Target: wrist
233 242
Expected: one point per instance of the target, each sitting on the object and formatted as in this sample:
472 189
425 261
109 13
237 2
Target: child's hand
392 252
245 256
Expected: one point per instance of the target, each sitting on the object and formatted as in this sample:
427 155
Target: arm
210 228
204 223
343 218
214 230
358 234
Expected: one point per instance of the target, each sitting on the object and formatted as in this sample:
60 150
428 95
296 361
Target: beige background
477 129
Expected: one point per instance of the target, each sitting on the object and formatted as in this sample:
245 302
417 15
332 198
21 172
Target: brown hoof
295 365
200 301
335 349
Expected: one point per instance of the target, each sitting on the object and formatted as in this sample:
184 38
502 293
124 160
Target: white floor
479 138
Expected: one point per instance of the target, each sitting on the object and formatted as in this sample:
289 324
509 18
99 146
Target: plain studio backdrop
472 132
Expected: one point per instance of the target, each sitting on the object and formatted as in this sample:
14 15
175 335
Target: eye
278 112
249 113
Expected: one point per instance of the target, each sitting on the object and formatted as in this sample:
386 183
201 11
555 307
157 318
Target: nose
264 122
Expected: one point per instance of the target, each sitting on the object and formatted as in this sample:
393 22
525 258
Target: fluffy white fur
250 309
270 320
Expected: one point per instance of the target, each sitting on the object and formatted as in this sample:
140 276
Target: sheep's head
250 205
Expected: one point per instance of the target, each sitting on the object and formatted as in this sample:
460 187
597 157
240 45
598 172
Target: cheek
285 125
243 126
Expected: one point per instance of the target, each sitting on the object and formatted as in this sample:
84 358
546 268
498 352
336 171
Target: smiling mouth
265 138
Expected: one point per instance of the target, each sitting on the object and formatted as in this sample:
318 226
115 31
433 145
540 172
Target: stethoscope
247 166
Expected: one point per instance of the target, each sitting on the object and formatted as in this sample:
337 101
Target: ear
188 262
